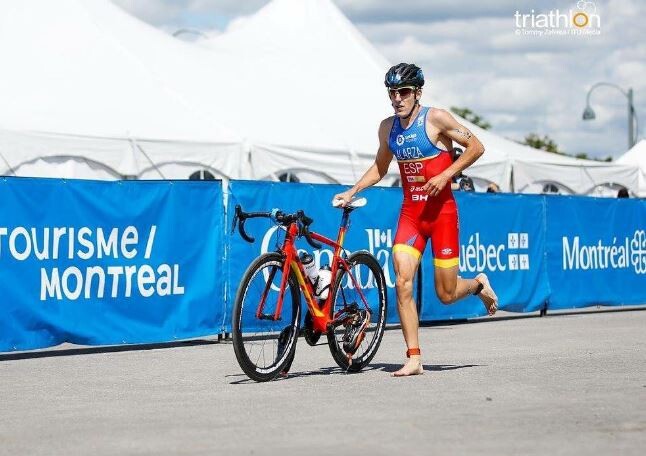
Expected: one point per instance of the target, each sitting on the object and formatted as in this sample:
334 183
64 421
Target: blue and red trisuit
423 216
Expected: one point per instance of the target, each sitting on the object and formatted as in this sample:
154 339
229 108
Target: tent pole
150 160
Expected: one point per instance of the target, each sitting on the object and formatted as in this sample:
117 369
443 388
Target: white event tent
314 89
90 91
636 156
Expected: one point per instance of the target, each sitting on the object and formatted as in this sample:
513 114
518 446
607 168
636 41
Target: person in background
493 188
461 181
466 184
623 193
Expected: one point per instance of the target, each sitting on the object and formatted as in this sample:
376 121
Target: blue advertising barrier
100 263
503 236
371 227
596 251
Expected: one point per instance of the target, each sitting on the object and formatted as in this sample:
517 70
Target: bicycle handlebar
278 217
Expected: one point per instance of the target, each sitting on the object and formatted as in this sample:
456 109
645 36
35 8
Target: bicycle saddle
353 204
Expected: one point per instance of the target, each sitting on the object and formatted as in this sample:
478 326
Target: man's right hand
342 199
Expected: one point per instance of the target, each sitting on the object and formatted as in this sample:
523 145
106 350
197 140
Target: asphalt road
557 385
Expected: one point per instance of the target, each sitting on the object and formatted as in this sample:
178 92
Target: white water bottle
323 283
310 268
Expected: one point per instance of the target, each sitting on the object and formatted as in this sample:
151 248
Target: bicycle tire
248 331
377 300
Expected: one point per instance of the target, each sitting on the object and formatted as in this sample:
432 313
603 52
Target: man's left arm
473 149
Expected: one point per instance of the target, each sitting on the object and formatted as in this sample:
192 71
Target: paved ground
558 385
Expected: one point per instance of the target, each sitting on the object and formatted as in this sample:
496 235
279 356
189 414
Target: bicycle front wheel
363 286
265 345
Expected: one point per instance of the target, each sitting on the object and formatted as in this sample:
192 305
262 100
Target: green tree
584 156
543 143
471 116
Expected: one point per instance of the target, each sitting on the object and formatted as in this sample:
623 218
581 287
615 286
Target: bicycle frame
320 315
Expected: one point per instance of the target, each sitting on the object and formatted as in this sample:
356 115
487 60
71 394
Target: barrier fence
102 263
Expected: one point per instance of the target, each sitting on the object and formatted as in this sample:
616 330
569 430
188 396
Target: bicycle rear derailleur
355 331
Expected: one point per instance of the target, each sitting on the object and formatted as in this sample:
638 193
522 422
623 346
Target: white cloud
197 14
513 94
502 119
156 12
423 10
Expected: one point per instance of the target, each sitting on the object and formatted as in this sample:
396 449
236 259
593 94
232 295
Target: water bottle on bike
311 270
323 282
319 278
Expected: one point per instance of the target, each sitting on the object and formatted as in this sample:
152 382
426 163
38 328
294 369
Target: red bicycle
267 310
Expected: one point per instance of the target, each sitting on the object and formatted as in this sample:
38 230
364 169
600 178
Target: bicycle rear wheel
370 278
264 346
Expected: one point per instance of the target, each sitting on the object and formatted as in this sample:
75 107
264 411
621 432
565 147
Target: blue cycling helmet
404 74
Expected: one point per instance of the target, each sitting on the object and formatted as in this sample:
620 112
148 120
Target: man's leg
448 285
405 268
451 288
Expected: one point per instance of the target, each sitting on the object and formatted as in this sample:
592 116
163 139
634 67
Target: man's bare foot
487 295
412 367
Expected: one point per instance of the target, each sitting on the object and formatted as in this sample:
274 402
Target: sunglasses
402 91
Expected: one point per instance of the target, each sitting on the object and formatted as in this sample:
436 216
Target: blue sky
472 56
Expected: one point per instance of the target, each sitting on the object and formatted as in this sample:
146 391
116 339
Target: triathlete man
420 138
